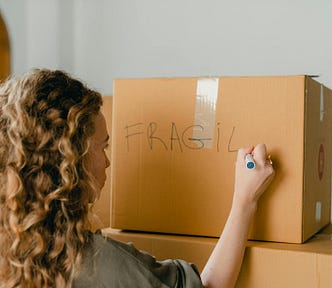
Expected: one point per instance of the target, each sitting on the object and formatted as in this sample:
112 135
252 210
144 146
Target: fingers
259 153
251 182
243 152
264 161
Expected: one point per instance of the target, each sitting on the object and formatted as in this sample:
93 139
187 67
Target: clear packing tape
206 105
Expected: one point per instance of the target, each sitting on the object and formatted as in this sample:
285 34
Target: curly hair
46 119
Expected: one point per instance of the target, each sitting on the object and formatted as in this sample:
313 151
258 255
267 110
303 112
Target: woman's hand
251 183
223 266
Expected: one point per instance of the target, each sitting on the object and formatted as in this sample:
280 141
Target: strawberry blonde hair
46 119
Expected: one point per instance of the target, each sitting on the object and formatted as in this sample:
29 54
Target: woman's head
47 121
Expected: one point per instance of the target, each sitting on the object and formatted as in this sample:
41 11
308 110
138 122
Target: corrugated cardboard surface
317 157
167 177
100 214
266 264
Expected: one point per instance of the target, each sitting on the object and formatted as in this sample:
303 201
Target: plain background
99 40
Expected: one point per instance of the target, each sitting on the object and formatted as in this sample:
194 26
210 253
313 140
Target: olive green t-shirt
110 263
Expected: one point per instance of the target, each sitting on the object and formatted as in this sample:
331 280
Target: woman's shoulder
110 249
98 242
111 263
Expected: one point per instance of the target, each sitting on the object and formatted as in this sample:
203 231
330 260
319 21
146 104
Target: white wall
150 38
41 33
106 39
14 14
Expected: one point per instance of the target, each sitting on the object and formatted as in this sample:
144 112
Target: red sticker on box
321 161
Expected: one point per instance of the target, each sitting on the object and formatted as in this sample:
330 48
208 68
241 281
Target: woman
52 165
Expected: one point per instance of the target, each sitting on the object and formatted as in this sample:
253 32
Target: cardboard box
101 210
266 264
175 143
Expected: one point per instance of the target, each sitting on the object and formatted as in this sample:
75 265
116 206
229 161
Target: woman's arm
224 264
